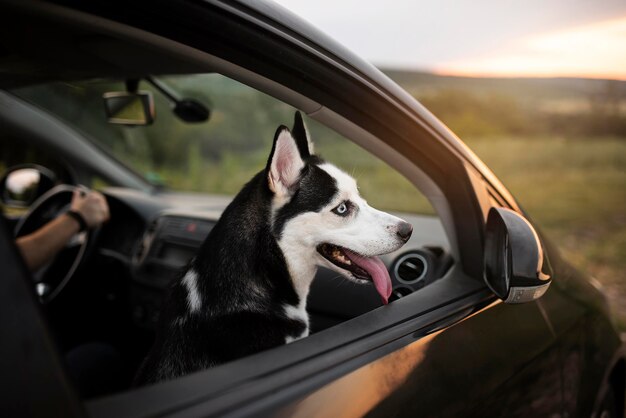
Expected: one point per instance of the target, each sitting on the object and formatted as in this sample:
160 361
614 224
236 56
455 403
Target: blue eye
343 209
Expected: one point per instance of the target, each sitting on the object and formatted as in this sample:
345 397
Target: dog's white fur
193 296
297 313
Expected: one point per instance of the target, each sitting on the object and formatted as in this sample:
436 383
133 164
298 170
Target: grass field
576 191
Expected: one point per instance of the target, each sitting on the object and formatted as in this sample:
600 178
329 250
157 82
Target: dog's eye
343 209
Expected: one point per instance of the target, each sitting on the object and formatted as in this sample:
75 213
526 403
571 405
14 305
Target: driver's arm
40 247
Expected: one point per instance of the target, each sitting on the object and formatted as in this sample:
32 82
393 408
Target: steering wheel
53 277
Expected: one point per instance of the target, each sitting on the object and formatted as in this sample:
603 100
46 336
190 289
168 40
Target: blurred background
537 89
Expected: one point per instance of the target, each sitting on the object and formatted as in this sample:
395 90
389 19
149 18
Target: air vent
173 225
411 268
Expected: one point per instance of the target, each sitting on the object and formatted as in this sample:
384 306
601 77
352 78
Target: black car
487 318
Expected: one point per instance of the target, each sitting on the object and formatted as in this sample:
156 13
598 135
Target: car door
499 361
473 356
419 356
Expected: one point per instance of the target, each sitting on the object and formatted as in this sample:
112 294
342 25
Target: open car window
216 158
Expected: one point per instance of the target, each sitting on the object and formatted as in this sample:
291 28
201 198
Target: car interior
53 118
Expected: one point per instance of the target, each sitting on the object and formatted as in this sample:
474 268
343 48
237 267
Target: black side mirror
514 259
21 185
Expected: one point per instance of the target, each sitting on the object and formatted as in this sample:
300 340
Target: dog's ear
284 164
301 135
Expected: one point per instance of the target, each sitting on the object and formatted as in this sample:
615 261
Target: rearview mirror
22 185
124 108
513 258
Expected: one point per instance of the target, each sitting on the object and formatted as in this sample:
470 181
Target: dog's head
319 218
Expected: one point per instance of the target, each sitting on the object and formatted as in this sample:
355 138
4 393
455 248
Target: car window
221 154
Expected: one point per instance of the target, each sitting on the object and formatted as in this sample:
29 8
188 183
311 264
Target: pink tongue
376 268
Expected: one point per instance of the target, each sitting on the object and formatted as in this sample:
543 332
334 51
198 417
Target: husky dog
246 289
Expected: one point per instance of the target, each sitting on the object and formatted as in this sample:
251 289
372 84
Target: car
487 318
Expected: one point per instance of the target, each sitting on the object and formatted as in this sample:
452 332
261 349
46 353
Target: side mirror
22 185
513 258
124 108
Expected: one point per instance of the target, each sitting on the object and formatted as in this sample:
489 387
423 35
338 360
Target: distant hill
524 89
564 107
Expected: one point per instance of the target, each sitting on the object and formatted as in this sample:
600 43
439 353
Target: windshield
218 155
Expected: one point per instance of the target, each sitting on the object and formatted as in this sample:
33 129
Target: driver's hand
92 206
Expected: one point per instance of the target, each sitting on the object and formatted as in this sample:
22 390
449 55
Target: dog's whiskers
339 276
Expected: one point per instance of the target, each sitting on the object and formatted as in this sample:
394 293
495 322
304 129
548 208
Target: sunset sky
578 38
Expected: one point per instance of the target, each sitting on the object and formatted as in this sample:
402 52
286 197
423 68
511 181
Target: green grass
576 191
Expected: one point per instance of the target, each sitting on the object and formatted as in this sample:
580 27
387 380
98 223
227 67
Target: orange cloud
595 50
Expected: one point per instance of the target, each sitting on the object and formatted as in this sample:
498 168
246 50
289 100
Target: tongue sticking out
377 270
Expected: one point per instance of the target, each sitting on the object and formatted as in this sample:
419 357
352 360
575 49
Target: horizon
385 68
480 39
595 50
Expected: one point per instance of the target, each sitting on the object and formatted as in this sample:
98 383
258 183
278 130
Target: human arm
39 247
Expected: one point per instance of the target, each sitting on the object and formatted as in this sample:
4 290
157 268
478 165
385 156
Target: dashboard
155 236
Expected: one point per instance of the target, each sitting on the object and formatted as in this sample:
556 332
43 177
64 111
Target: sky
578 38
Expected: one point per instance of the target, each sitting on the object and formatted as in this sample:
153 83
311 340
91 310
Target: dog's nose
405 230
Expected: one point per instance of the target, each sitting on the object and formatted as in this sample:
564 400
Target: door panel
501 361
578 313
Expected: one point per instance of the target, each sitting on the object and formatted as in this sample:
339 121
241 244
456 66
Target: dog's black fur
239 266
